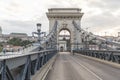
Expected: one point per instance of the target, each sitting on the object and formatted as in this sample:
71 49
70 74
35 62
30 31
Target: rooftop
64 10
18 34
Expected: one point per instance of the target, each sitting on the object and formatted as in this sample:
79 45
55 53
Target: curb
42 73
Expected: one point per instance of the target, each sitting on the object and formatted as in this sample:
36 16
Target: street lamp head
38 26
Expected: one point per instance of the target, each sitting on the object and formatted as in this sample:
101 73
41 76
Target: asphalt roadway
77 67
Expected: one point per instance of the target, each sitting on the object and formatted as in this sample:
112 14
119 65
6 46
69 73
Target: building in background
118 38
23 36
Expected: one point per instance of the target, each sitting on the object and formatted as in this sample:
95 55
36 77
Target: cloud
102 16
22 15
9 26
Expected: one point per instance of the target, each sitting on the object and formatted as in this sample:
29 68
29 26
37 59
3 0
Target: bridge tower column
65 18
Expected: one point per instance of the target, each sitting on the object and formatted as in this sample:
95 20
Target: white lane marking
88 69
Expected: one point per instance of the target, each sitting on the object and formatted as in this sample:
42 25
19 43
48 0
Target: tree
26 42
18 42
15 41
1 47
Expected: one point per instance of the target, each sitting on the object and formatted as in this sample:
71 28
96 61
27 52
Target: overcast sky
22 15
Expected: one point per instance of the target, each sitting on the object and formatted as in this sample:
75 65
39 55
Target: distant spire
118 34
0 30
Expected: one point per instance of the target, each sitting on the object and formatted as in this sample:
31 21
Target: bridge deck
77 67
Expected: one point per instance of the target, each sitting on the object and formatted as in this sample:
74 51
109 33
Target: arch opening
64 40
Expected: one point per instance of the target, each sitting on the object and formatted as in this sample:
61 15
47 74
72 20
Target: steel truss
29 68
113 56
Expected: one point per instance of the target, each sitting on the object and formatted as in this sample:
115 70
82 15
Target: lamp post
106 45
39 33
106 40
86 42
77 45
95 43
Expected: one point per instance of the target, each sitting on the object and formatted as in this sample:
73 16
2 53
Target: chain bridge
76 55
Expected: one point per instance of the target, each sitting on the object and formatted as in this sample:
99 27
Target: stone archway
64 39
65 18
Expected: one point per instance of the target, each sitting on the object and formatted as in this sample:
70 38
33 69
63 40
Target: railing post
29 69
42 63
46 56
3 75
37 64
26 75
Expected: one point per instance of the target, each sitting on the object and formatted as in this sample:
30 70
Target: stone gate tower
65 18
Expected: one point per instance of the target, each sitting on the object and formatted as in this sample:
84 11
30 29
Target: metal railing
112 55
30 66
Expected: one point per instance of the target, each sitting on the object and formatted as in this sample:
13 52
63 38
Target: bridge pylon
67 18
